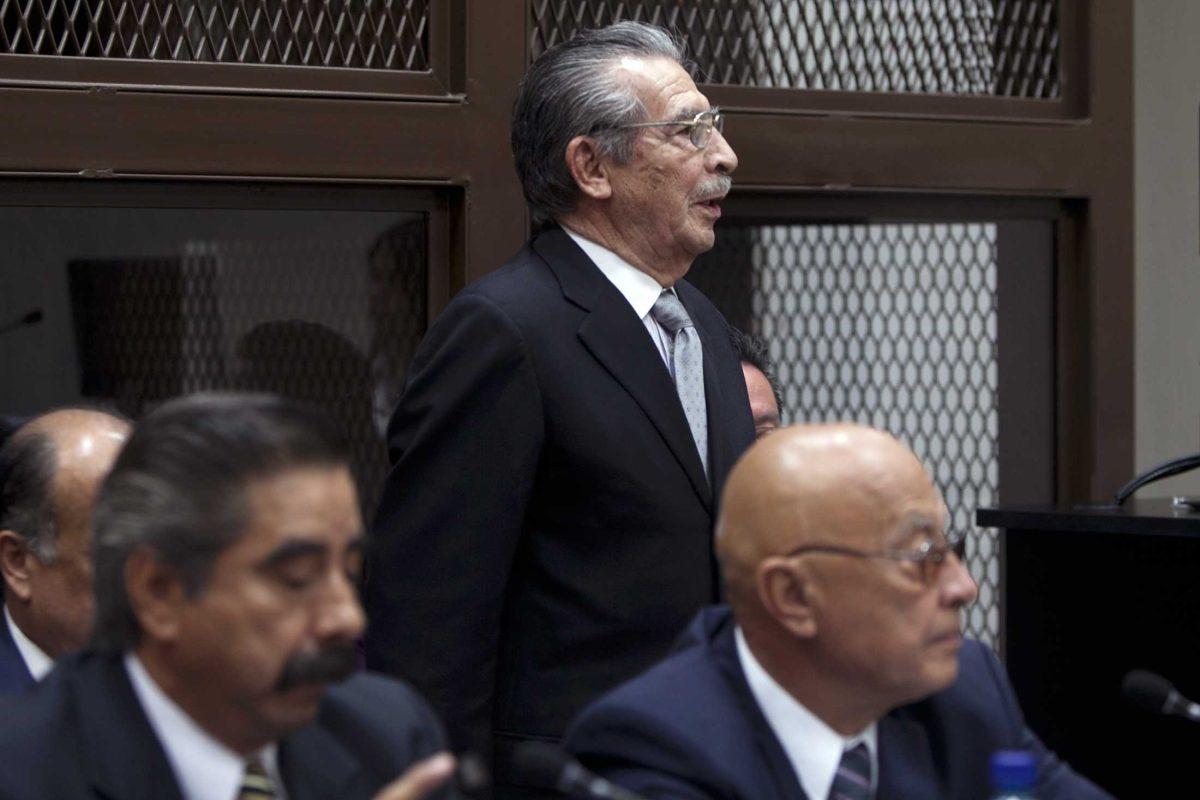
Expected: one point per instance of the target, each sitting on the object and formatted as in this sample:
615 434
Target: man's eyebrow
298 548
916 522
688 114
291 549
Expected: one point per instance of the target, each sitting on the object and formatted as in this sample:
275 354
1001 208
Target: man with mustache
568 420
838 670
227 546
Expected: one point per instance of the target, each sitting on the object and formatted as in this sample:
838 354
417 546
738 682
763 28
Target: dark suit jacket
14 674
691 728
545 532
82 734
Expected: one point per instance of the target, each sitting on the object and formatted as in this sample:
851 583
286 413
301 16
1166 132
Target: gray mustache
713 187
328 665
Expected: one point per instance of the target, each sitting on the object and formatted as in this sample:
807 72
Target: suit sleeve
643 754
1056 780
463 443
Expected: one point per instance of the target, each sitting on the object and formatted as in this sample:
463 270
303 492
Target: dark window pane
142 305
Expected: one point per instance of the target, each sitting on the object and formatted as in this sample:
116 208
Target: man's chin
944 672
296 707
702 240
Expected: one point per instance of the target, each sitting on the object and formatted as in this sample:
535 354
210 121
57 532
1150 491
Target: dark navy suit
14 675
691 728
82 734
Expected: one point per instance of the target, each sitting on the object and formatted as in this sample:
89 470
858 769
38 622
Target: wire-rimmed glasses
699 127
929 557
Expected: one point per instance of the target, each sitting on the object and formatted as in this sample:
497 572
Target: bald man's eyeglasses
929 557
699 128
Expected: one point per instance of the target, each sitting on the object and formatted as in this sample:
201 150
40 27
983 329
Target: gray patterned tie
687 361
852 781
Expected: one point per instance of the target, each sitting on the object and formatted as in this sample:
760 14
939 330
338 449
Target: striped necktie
257 783
852 781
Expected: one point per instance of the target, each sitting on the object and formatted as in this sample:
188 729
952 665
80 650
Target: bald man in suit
839 669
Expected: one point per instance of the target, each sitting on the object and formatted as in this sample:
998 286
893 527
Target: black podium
1090 594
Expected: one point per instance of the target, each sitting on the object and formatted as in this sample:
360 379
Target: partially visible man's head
814 524
228 546
761 385
648 193
50 470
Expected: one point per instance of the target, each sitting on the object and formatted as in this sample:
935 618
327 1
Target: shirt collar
634 285
204 768
813 748
36 660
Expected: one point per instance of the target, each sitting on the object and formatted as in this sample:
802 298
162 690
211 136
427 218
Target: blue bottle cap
1013 770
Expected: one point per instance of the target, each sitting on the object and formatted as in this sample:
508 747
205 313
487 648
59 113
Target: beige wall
1167 245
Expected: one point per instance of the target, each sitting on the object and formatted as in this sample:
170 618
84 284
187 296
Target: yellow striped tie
256 782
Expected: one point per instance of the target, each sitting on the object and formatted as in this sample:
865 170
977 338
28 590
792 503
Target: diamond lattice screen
361 34
891 325
328 321
1005 48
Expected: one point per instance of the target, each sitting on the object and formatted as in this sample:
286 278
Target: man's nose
958 588
340 616
720 155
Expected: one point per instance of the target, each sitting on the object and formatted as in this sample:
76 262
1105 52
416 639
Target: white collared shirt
814 748
637 287
204 768
36 660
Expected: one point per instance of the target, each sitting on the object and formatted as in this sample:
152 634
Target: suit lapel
906 767
315 765
618 340
779 767
121 756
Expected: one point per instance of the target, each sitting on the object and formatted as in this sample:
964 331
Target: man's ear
16 564
787 592
156 595
588 169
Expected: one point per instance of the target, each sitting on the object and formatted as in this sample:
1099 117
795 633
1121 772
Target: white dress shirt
204 768
814 748
36 660
635 286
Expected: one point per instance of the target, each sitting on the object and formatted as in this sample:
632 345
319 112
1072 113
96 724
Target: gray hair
178 490
571 90
28 461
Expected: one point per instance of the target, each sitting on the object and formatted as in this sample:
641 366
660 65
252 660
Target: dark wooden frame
108 123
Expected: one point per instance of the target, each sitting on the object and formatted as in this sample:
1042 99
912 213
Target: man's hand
421 779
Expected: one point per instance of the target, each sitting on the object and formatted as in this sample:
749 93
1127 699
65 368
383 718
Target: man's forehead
887 506
317 498
663 85
920 517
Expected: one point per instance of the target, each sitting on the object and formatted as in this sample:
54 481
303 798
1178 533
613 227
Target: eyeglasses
929 557
699 129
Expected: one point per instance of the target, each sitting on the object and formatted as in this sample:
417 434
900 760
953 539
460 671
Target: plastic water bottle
1014 774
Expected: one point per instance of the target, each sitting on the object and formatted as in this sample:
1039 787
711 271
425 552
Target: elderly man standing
49 473
570 419
841 671
228 545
